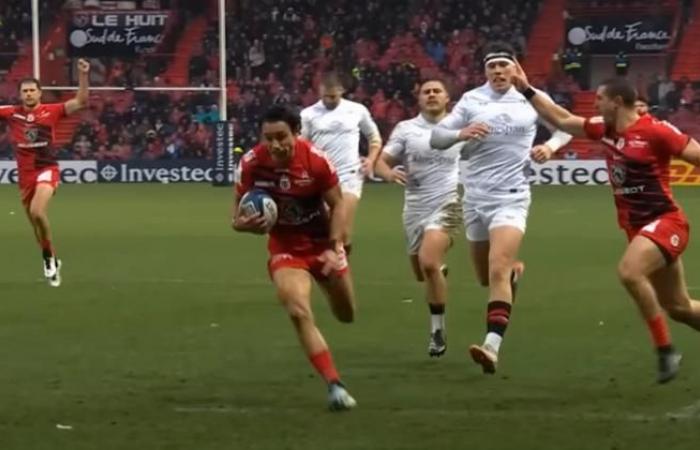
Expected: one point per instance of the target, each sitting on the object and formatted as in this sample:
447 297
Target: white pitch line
691 411
247 283
588 416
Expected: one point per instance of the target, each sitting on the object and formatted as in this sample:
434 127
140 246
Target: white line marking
247 283
588 416
691 411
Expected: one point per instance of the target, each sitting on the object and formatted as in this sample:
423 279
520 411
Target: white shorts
444 218
481 217
351 183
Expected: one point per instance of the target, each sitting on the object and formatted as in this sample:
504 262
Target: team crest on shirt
285 183
31 134
618 175
30 117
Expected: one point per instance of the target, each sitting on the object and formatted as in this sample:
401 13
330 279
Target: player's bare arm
386 168
331 258
544 152
246 224
375 147
551 112
80 100
691 153
334 199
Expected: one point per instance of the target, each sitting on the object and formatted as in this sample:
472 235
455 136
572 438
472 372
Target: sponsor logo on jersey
675 240
31 134
502 125
618 174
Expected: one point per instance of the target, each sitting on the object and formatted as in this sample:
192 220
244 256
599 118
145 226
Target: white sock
437 322
493 340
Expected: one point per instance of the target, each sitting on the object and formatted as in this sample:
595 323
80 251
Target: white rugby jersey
337 131
497 165
432 175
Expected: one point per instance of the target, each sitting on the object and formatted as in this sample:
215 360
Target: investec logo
109 173
147 173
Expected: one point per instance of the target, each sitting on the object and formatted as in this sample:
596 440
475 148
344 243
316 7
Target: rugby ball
258 202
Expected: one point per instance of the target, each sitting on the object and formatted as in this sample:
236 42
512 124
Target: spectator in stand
622 64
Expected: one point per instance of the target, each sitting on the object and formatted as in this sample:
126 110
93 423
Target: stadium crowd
383 47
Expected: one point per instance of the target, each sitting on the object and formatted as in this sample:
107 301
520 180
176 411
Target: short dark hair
620 87
283 113
498 47
28 80
422 81
332 79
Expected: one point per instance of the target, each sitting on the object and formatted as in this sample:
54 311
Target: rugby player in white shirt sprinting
499 126
334 125
432 207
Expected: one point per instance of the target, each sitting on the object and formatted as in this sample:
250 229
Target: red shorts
670 232
309 261
29 180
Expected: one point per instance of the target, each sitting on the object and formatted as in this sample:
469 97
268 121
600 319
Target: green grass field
166 335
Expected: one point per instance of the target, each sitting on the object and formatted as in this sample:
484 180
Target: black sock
665 349
46 254
436 308
497 317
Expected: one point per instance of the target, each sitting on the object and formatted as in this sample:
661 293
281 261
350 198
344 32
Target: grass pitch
166 335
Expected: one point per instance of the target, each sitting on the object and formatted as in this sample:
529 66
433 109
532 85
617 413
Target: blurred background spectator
276 52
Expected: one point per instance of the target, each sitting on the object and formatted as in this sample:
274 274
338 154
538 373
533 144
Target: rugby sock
497 318
46 248
323 363
437 316
659 332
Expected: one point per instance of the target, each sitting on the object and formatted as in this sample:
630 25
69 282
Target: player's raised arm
547 109
80 100
691 152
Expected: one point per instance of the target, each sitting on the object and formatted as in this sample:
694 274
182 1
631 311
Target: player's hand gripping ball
257 202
